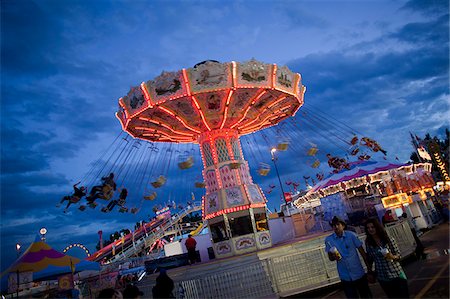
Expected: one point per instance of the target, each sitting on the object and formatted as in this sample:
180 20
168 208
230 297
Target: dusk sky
381 67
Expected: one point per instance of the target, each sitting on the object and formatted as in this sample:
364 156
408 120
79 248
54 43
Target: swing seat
186 164
123 210
364 157
92 205
200 185
134 210
354 140
282 146
354 152
159 182
263 169
235 165
312 151
151 196
107 192
82 208
105 210
315 164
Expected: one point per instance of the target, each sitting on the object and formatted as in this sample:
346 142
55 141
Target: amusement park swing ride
221 107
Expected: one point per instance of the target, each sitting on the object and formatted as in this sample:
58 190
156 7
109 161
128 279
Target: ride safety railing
280 276
150 237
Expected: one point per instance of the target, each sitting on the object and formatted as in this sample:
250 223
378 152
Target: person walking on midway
383 250
343 246
164 286
190 246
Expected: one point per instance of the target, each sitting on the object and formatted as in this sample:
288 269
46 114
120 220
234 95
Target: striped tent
46 263
39 256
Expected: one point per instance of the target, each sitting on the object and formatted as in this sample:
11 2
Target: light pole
274 159
43 231
17 270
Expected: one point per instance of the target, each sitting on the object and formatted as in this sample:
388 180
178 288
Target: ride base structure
213 104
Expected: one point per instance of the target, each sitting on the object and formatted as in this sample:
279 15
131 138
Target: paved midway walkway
427 278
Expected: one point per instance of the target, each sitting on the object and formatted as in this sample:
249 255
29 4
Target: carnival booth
369 189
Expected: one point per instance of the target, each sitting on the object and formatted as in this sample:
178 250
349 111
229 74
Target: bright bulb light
18 246
273 150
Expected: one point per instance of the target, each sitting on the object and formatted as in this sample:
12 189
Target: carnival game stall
370 189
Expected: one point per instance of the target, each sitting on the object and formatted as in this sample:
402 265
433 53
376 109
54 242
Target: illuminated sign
436 155
396 200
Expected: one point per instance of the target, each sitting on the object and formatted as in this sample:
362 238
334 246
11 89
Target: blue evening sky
379 66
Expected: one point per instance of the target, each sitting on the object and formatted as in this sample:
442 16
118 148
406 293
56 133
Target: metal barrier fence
281 275
250 282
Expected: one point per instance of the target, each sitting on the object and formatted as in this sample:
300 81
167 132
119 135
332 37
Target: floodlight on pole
18 246
43 231
274 159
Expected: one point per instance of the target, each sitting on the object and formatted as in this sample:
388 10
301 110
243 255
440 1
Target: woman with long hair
383 251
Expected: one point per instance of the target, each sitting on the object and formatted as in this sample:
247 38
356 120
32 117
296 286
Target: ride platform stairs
149 238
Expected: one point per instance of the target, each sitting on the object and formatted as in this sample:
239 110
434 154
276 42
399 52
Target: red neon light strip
274 74
179 119
297 80
234 73
235 209
165 137
248 108
163 125
251 122
201 113
296 110
122 104
277 101
226 109
271 105
146 94
229 97
123 126
186 81
285 107
166 110
262 124
163 133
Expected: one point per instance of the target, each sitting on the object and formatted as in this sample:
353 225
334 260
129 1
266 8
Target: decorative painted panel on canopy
179 106
231 199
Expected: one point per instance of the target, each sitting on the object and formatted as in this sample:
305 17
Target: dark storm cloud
20 153
421 32
36 191
29 36
339 76
428 7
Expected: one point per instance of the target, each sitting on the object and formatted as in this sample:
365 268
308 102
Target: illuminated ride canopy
213 104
